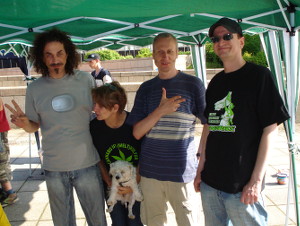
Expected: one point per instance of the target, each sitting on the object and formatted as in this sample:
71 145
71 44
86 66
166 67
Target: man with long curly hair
60 103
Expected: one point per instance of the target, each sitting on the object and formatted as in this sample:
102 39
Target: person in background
7 195
243 109
101 75
60 103
113 138
164 113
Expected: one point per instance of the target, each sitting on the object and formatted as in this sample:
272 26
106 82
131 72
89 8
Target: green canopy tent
278 56
19 48
116 22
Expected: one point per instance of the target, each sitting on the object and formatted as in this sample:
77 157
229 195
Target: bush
258 58
184 53
247 56
191 66
212 60
108 54
252 44
213 65
144 52
127 57
209 47
105 54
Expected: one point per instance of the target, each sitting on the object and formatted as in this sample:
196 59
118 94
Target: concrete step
12 83
13 91
21 90
8 80
17 77
139 76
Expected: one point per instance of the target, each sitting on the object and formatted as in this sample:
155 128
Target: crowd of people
85 128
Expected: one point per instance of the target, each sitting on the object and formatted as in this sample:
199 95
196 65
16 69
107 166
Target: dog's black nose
117 177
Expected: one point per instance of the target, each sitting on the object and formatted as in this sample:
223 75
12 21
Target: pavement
32 208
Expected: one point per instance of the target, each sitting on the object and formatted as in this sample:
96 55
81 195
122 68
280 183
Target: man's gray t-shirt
63 108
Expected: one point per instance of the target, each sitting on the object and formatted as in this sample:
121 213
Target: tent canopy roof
114 23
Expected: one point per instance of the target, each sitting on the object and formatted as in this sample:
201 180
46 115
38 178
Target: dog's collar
121 183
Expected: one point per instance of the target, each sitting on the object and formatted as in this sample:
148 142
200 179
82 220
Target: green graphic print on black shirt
115 144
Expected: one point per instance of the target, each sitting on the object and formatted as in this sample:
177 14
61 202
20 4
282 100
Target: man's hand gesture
166 106
169 105
18 117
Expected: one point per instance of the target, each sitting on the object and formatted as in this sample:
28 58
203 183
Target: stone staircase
13 86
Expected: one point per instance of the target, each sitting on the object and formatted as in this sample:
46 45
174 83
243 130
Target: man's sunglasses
225 37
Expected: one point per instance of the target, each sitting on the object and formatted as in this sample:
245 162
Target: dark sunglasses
225 37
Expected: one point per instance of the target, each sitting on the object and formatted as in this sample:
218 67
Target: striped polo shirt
168 150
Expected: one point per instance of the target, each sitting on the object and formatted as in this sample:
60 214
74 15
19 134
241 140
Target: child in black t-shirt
114 140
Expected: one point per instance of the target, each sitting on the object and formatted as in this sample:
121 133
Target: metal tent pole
293 85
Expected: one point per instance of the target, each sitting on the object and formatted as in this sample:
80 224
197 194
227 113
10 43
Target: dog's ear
111 166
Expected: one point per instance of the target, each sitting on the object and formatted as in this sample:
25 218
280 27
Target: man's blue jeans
89 188
222 209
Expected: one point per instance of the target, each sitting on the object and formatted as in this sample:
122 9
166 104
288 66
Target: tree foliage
144 52
108 54
258 58
252 44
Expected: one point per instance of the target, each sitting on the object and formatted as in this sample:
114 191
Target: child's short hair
110 94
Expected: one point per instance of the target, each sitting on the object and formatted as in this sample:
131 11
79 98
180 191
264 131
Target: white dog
123 174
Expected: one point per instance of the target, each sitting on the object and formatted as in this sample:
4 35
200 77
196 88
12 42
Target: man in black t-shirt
101 75
243 108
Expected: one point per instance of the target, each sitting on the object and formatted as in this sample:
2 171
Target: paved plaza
33 209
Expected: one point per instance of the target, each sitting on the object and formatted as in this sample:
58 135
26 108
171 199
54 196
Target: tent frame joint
292 31
293 148
291 8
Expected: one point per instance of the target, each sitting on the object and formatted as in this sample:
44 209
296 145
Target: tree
144 52
106 54
252 44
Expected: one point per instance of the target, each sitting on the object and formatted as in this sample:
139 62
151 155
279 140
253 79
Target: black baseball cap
93 56
229 24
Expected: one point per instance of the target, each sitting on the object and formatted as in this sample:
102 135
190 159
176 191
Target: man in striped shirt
164 113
